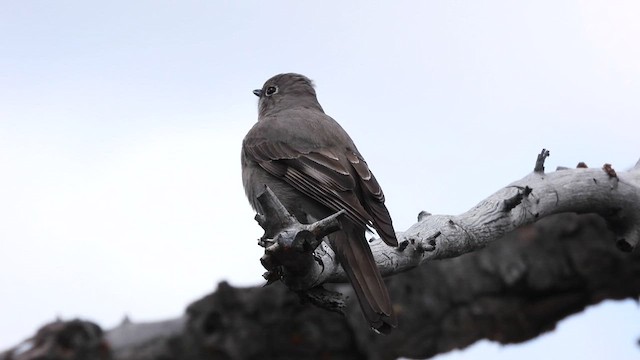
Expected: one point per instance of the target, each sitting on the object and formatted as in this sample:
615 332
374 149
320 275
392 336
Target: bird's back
301 128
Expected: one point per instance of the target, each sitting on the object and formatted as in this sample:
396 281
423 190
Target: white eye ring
271 90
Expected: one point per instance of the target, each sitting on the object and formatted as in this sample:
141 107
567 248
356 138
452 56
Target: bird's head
285 91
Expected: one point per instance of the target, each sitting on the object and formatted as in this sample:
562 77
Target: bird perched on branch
315 170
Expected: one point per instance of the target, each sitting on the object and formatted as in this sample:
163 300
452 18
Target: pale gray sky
121 123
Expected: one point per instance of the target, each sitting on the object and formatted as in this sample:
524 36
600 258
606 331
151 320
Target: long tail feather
357 261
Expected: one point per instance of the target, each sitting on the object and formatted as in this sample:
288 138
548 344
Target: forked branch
615 195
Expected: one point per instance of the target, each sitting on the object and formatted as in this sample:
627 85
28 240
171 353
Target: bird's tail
355 255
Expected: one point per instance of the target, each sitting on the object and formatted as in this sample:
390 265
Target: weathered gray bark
614 196
516 288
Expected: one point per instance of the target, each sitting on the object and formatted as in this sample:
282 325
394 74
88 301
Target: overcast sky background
121 124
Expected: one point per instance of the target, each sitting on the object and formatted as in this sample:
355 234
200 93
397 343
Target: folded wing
337 178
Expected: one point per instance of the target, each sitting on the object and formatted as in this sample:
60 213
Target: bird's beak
257 92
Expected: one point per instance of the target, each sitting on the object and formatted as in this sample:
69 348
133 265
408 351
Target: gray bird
313 167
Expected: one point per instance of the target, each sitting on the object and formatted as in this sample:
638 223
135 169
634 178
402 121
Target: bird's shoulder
301 129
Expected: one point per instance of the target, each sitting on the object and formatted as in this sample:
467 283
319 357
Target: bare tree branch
613 195
515 289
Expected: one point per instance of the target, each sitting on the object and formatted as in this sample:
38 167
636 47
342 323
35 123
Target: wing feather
337 179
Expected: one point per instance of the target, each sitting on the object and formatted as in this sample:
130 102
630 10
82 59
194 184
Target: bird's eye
271 90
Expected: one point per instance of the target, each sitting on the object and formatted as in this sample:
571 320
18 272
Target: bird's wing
338 179
373 199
